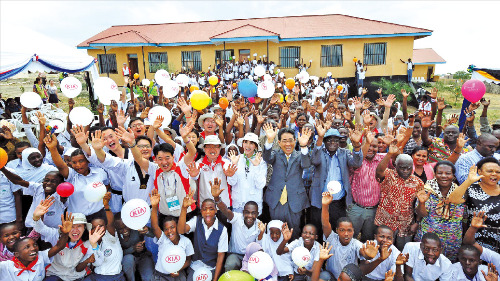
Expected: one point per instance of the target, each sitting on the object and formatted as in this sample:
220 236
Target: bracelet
96 248
107 209
188 117
457 152
132 146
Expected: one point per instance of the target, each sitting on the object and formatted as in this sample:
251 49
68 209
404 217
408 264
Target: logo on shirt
202 277
108 252
137 212
253 260
51 213
172 258
133 178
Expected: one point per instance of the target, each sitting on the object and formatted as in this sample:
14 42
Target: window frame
332 60
231 54
373 58
282 65
103 65
152 64
193 61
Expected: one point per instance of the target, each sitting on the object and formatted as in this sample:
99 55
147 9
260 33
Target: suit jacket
320 160
287 173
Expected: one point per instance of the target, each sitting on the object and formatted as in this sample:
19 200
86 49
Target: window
289 56
374 54
228 56
331 55
157 61
191 60
107 63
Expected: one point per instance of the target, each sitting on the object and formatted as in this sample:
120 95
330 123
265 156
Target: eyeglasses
136 125
141 146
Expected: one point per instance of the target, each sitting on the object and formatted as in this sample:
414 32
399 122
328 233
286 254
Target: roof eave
423 63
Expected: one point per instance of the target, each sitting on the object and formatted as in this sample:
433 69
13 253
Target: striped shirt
364 185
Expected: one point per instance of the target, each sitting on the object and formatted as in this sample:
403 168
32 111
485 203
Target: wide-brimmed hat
203 117
79 218
250 137
213 139
173 133
332 133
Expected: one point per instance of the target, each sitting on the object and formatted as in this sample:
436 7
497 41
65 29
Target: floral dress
444 219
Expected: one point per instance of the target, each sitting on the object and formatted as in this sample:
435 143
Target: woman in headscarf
32 167
251 249
270 242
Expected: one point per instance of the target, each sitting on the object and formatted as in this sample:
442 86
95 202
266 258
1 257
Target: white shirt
9 272
314 253
241 235
491 257
457 273
47 234
342 255
164 244
76 202
361 74
410 65
108 258
65 262
389 264
222 246
7 199
53 216
422 271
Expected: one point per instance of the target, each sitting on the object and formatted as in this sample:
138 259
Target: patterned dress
444 219
439 150
477 200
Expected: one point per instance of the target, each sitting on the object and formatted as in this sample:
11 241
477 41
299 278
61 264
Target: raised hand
401 134
240 120
145 113
385 252
193 169
66 223
304 136
230 171
356 134
452 120
478 220
357 103
388 138
41 118
121 118
370 136
367 118
402 259
262 226
474 106
473 176
114 106
492 274
389 275
80 135
97 141
380 101
215 187
320 128
270 131
257 159
186 129
98 233
43 208
126 136
426 120
485 102
287 233
233 157
393 148
404 93
434 93
188 200
157 123
423 195
260 118
100 108
324 251
461 141
440 103
184 106
389 101
219 121
106 199
154 197
50 141
347 115
364 91
71 103
326 198
369 249
366 104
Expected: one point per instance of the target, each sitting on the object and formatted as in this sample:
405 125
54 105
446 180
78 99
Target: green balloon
236 275
210 102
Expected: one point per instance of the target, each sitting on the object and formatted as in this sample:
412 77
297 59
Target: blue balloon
247 88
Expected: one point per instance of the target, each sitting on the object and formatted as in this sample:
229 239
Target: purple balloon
473 90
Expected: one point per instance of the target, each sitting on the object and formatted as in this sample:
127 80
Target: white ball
81 116
301 256
334 187
161 77
71 87
260 265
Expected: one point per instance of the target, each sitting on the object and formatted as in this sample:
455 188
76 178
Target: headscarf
30 172
353 272
251 249
282 262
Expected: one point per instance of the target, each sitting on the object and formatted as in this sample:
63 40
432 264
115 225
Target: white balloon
170 89
260 265
268 77
94 192
31 100
135 213
160 111
104 85
334 187
326 85
71 87
282 74
265 89
173 259
145 82
202 274
182 80
81 116
106 97
161 77
301 256
259 70
60 125
329 74
318 91
304 77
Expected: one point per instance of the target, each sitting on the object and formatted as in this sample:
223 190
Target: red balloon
65 189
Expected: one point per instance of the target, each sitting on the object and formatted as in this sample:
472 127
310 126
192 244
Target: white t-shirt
7 199
241 235
9 272
361 74
457 273
53 216
491 257
314 252
410 65
108 258
423 271
76 202
389 264
342 255
164 244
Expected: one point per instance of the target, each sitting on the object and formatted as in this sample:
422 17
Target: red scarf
20 265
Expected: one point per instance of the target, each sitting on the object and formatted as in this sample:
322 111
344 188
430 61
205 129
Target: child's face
250 214
345 232
384 237
431 250
170 230
208 212
9 235
122 229
50 183
275 234
27 251
309 235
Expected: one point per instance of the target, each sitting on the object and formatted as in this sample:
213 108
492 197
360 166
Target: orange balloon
290 83
355 59
339 87
235 85
223 103
3 158
193 87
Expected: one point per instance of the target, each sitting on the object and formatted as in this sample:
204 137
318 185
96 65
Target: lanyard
167 184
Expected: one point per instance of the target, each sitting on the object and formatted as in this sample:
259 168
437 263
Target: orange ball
193 87
3 158
223 103
290 83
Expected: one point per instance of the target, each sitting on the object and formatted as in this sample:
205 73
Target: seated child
270 243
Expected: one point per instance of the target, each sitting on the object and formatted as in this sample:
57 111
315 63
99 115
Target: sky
464 32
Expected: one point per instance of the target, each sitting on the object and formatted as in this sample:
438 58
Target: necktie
284 194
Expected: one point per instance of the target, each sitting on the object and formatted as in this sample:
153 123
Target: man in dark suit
286 194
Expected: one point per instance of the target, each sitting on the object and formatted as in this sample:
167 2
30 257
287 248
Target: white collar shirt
490 256
423 271
76 202
163 250
241 235
457 273
9 272
389 264
53 216
108 258
314 252
7 200
342 255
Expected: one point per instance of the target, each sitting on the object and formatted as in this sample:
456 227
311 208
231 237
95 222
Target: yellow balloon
355 59
281 98
136 76
213 80
199 99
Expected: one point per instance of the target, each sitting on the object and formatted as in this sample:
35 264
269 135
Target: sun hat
79 218
203 117
213 139
173 133
250 137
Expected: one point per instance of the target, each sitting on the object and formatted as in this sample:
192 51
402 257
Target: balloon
31 100
235 85
65 189
135 213
107 97
182 80
199 99
281 98
304 77
170 89
202 274
334 187
105 89
329 74
236 275
136 76
282 74
265 89
213 80
160 111
267 77
161 77
355 59
94 192
318 91
301 256
247 88
290 83
259 70
145 82
173 259
81 116
3 158
223 103
193 87
71 87
339 87
326 85
210 101
260 265
251 100
473 90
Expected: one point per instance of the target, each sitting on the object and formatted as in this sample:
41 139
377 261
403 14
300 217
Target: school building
330 41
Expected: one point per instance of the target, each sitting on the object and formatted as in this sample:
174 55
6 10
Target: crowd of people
371 190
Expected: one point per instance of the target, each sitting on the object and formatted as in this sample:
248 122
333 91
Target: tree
462 75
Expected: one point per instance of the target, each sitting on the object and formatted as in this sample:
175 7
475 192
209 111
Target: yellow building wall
422 69
397 48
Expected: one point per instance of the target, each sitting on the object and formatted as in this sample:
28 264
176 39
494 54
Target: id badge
173 203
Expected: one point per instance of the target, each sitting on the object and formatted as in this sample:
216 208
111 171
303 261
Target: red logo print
96 184
202 277
253 260
71 87
264 87
137 212
306 258
173 258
